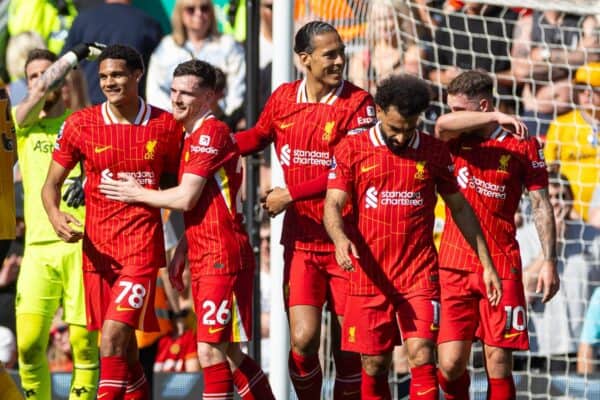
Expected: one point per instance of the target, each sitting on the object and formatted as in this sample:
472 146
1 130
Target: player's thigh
74 293
419 314
369 325
305 282
505 325
459 313
131 298
39 286
223 305
337 283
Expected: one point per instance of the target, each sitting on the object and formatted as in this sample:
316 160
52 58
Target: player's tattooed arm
543 217
335 201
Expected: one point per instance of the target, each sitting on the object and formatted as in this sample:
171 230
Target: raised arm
66 226
543 217
452 125
335 201
467 222
28 110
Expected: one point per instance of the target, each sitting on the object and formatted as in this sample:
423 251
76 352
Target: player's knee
452 368
84 344
498 362
304 341
376 365
420 353
31 348
210 354
114 342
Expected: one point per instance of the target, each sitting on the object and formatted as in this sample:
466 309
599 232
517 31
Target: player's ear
484 105
304 59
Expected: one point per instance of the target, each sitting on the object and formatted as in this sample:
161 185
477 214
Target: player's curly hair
201 69
131 56
409 94
303 41
473 84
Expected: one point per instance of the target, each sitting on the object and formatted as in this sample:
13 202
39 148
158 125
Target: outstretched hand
89 51
125 189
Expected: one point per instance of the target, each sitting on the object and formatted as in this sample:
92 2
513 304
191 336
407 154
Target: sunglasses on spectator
204 9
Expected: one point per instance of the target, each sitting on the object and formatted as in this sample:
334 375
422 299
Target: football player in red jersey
392 175
221 260
122 244
492 166
305 119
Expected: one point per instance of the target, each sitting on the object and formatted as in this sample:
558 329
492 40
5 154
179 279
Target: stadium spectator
8 389
594 211
573 141
547 46
49 18
177 353
17 50
587 355
60 357
474 37
123 244
215 242
555 327
305 119
195 36
9 271
492 168
394 279
50 274
114 22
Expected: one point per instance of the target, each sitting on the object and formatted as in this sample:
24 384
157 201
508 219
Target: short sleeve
536 176
209 149
341 175
363 117
444 174
67 147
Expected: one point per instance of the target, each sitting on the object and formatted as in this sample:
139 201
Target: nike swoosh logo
100 149
215 330
286 125
102 395
367 169
121 308
511 335
424 392
434 327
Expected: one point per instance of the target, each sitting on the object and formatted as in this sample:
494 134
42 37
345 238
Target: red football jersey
116 233
217 241
393 196
491 174
304 135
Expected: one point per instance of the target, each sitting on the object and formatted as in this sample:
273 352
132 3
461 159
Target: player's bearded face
326 62
117 82
189 100
396 129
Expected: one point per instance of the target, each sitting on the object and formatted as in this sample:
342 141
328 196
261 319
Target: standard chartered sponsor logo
482 187
371 199
284 157
374 198
304 157
142 177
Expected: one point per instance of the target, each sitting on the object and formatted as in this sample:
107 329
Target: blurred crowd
546 65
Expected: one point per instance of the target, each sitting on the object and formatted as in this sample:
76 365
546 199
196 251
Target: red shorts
467 314
374 324
223 305
125 295
311 278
